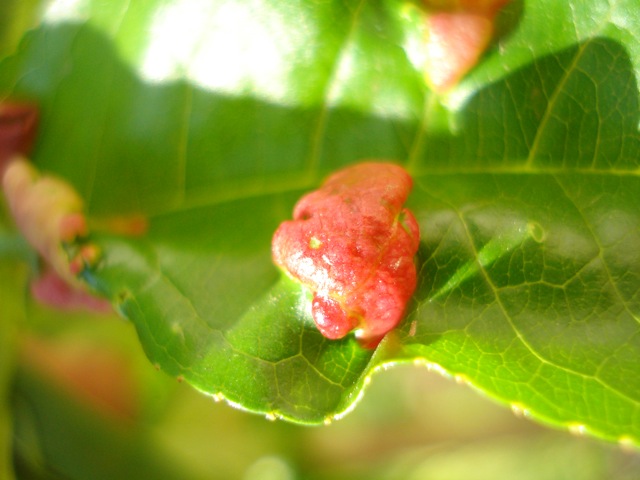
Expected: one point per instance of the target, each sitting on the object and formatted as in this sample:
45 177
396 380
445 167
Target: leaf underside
526 191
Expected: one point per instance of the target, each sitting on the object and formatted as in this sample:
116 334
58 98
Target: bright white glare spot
307 269
434 367
233 47
66 10
520 411
217 397
577 429
175 33
269 467
379 97
413 44
414 48
235 405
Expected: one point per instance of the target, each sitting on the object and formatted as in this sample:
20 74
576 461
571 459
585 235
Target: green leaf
12 282
57 433
551 324
527 192
15 17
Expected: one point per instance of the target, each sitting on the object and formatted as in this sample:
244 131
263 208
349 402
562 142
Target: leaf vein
519 334
318 132
549 110
601 249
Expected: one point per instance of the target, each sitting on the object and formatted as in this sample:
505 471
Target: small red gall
352 244
18 128
52 290
457 32
47 210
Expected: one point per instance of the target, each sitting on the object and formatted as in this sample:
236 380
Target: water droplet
271 416
536 231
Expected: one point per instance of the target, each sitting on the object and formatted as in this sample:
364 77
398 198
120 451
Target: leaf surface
527 192
12 277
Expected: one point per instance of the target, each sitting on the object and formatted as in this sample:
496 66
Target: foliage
527 191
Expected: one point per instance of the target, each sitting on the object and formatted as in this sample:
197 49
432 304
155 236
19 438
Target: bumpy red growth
353 244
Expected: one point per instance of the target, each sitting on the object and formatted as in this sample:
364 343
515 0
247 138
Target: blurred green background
411 424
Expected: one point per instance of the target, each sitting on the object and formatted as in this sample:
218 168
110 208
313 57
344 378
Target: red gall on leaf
352 244
48 211
18 126
456 35
50 214
52 290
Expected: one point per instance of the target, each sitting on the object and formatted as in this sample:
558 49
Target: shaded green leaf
12 283
58 437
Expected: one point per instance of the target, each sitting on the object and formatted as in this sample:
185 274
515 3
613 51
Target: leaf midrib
261 187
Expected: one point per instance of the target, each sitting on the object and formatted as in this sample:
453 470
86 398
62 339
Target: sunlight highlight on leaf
495 249
202 41
66 10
